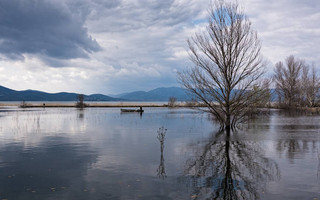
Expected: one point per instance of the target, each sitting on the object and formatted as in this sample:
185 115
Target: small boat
131 110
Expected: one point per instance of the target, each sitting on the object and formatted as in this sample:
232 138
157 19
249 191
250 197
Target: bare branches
80 104
227 64
311 87
295 85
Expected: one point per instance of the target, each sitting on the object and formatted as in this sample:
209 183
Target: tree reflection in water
318 172
80 113
161 171
226 169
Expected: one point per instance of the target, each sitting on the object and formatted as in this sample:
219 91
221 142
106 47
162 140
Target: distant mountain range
159 94
7 94
163 94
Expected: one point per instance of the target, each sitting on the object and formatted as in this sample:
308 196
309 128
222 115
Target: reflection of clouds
55 165
114 156
31 126
227 169
127 186
124 149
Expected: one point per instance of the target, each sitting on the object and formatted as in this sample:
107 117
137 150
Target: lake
101 153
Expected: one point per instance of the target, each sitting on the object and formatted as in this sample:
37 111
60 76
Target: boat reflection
227 169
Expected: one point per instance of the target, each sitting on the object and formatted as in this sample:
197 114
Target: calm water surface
99 153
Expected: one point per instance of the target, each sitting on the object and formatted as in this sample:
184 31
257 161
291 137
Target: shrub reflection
161 171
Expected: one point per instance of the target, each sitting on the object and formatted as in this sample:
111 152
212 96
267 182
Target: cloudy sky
115 46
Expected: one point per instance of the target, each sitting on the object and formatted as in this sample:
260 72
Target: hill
7 94
158 94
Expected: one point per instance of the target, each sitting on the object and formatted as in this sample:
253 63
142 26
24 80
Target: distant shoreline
92 104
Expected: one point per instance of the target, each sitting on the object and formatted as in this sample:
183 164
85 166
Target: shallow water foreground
100 153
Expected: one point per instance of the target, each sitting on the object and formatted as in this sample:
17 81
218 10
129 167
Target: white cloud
144 43
287 27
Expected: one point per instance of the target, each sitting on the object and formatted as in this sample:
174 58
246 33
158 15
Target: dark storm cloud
43 27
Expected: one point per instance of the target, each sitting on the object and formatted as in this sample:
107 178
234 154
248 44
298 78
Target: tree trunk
228 122
228 173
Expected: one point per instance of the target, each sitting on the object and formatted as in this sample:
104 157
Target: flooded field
101 153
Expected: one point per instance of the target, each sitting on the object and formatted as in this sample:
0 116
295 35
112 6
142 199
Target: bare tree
172 102
287 80
80 103
311 86
304 85
262 93
227 64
